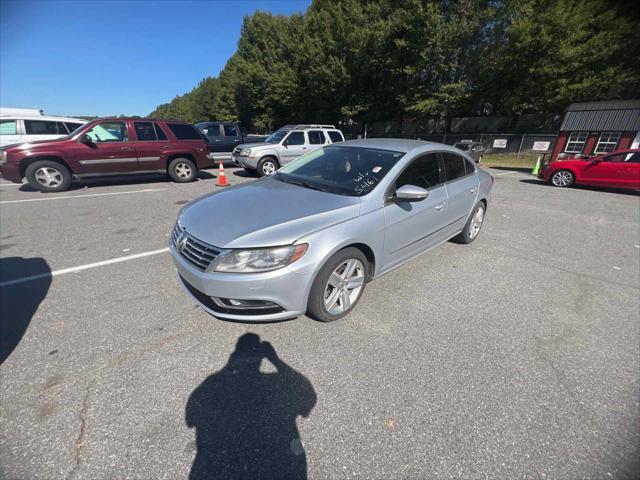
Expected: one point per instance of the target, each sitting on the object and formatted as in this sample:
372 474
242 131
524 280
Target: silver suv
283 146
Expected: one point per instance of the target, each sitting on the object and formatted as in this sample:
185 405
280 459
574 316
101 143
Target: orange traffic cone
222 179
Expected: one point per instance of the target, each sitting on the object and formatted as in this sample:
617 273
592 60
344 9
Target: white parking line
2 184
80 268
146 190
505 173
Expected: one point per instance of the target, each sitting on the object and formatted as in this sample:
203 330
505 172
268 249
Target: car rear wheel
267 166
182 170
562 178
48 176
473 226
338 285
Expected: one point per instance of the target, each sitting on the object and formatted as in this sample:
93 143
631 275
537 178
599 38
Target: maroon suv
113 146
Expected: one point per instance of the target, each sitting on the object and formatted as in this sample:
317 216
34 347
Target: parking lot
515 356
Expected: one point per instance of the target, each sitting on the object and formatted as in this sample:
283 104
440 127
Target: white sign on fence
541 146
500 143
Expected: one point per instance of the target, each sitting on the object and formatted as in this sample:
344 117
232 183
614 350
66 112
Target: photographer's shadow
245 419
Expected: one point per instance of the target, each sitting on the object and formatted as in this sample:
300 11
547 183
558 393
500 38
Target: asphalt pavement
516 356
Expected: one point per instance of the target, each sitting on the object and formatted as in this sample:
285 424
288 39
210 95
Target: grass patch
509 160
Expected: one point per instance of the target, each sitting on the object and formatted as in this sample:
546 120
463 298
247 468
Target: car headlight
245 152
259 260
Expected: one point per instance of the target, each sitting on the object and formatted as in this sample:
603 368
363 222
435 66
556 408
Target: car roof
308 127
395 144
138 119
47 118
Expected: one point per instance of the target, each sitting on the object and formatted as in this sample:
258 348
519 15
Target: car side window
295 138
211 131
316 137
632 157
159 132
231 131
72 127
41 127
423 172
454 166
182 131
469 166
145 131
109 132
8 127
335 136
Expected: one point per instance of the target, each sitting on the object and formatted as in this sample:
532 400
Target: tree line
357 61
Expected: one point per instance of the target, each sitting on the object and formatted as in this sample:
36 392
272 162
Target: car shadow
141 179
586 187
509 169
245 420
244 173
19 301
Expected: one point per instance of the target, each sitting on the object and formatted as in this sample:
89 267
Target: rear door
294 146
110 152
150 143
412 227
462 190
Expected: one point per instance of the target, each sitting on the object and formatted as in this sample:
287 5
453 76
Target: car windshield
277 136
352 171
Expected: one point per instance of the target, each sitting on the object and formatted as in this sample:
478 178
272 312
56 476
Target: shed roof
618 115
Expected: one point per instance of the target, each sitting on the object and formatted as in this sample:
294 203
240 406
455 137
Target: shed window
607 142
576 142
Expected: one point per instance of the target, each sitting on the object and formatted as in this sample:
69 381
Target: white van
19 125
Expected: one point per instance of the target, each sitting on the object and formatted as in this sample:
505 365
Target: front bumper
285 288
244 162
11 172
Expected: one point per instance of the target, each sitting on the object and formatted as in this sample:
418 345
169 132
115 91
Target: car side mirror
411 193
596 160
86 139
285 143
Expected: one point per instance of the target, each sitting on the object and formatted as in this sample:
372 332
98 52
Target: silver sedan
309 238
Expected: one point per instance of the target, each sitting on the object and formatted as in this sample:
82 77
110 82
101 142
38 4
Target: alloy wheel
268 168
476 223
183 170
48 177
562 178
344 286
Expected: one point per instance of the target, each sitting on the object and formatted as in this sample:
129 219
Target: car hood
34 144
264 213
256 145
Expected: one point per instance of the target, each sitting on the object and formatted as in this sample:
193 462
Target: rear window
41 127
335 136
316 137
73 126
231 131
454 166
184 132
7 127
159 132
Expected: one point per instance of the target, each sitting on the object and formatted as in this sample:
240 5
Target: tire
321 296
48 176
562 178
182 170
474 225
267 166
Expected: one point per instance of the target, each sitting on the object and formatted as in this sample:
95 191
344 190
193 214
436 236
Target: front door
294 146
605 171
411 227
622 170
215 144
231 139
110 151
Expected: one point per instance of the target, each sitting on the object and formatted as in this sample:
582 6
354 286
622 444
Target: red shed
593 128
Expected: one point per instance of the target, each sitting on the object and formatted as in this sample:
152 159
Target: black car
223 137
474 149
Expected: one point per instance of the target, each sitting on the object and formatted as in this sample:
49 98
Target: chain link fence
523 147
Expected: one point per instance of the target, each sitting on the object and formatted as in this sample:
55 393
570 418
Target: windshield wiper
303 184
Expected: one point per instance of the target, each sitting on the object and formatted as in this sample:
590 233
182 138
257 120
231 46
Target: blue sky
110 57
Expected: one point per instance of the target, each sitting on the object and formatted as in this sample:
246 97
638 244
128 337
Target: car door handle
218 140
304 148
473 190
166 147
440 206
128 149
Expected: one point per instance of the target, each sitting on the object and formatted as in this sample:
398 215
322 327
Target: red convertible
616 170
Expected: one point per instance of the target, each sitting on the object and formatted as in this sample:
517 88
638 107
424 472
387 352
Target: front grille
194 251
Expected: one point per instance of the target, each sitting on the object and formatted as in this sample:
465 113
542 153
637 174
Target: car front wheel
267 166
48 176
338 285
562 178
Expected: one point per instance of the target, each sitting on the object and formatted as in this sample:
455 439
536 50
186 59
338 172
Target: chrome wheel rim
561 179
48 177
476 223
183 170
268 168
344 286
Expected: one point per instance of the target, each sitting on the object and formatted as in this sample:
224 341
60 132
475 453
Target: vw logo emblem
181 241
